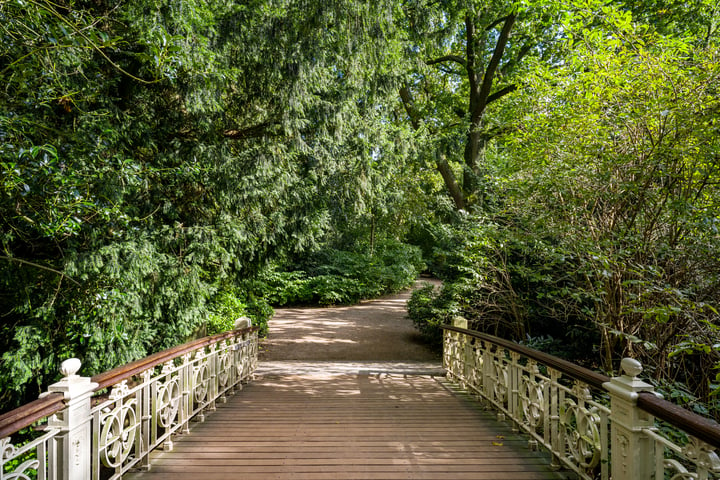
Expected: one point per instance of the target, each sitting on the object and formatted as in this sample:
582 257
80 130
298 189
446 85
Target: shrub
229 305
431 307
336 277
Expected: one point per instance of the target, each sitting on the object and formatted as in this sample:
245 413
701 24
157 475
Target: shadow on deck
329 423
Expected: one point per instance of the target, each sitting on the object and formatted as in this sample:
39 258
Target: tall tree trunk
480 96
450 182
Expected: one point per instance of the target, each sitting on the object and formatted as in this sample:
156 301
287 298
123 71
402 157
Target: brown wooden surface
334 427
30 413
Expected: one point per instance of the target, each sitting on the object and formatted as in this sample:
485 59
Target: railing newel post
632 450
72 459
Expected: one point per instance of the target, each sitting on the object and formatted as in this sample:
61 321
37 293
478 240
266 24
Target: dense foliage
604 236
158 155
168 166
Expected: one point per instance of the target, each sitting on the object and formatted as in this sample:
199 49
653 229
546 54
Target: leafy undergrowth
339 277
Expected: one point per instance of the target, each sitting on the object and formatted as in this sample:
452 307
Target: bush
340 277
431 307
229 305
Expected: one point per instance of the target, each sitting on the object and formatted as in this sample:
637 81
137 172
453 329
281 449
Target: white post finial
631 367
70 367
243 322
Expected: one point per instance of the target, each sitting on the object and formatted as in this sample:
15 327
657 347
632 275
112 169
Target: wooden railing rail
30 413
142 406
123 372
585 375
597 426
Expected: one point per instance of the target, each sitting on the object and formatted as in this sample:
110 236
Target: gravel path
375 335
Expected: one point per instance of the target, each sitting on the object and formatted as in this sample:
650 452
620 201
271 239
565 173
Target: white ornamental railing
101 427
597 426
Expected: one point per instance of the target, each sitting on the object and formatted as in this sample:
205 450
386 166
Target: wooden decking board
373 427
340 459
352 476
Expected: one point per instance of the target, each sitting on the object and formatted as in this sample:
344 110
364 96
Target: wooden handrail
123 372
591 378
705 429
26 415
696 425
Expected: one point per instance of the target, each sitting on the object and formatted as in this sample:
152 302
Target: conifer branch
37 265
255 131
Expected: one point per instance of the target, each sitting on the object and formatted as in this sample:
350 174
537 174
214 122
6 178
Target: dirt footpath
372 331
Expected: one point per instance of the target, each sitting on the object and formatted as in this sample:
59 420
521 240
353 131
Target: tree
470 57
156 153
618 164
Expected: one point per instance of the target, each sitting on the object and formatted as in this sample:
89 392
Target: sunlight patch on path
320 368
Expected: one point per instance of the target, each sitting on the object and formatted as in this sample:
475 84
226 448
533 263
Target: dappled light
338 426
173 171
374 330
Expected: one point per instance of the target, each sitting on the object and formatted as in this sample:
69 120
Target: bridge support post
633 452
72 456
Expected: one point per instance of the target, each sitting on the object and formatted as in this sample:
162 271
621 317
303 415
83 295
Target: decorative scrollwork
120 390
22 471
452 354
474 374
224 366
202 382
167 368
119 429
253 352
500 386
682 472
241 363
7 449
702 454
533 401
582 435
168 403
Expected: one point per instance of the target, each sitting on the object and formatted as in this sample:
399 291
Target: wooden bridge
373 424
494 410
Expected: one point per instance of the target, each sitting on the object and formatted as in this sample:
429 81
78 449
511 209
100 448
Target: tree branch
450 181
496 23
500 93
492 68
37 265
470 66
410 107
524 50
447 58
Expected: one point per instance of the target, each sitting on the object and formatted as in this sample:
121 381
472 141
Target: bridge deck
349 426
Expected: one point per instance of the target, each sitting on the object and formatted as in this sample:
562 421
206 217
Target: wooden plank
350 427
